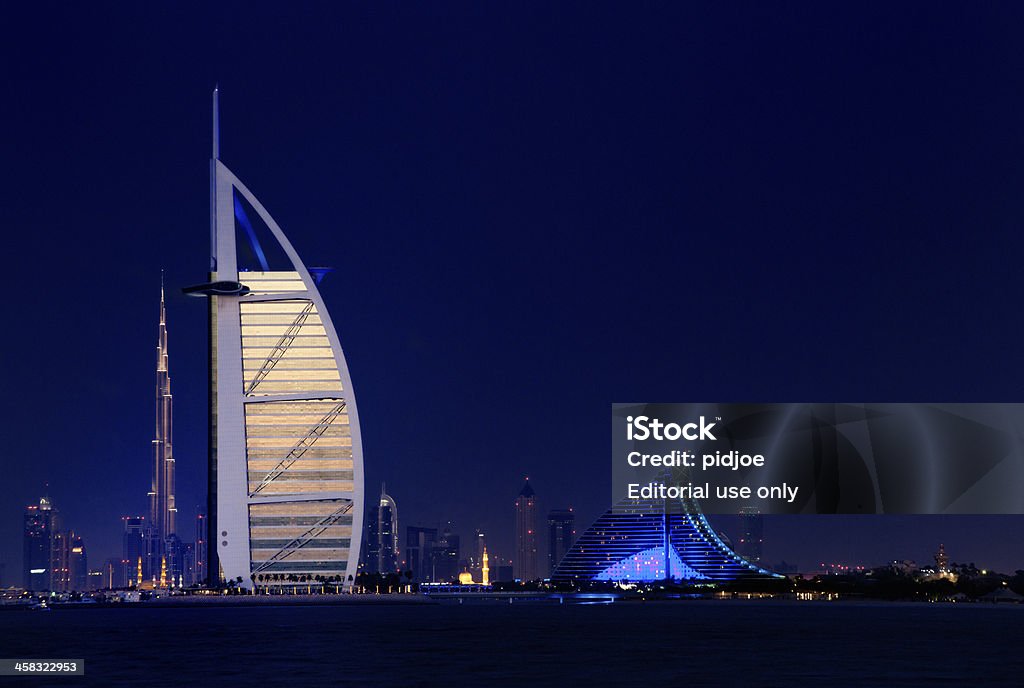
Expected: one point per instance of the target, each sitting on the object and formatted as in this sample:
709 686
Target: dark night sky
533 212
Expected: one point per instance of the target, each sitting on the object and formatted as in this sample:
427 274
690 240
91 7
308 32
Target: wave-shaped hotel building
646 540
285 464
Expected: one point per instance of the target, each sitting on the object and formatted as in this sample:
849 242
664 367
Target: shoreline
533 600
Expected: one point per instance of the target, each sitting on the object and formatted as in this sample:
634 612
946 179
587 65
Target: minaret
486 570
162 511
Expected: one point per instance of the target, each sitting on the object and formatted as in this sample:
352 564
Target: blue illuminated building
647 541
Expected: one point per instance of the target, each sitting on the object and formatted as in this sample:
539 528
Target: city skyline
747 526
162 552
908 546
411 263
511 224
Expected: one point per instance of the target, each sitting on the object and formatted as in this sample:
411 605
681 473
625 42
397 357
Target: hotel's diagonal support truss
279 350
301 447
298 543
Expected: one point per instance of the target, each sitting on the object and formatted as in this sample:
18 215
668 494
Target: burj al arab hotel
285 461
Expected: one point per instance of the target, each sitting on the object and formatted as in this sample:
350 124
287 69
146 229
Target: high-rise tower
419 552
752 534
133 552
285 463
942 560
525 563
162 512
380 553
387 533
40 524
561 535
200 550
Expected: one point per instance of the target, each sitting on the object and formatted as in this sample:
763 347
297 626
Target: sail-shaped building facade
285 465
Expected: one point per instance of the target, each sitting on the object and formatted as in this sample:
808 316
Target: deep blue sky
533 212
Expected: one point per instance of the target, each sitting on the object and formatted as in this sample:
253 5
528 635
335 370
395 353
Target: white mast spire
216 124
213 181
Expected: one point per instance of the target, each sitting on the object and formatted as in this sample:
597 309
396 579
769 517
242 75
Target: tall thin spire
163 307
213 181
216 123
162 510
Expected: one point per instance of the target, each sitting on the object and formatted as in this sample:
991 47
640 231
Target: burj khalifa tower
162 511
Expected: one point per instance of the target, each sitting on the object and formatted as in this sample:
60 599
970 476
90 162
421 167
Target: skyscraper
200 550
285 463
78 564
525 562
54 559
419 549
188 563
60 561
942 560
40 522
445 557
500 569
752 534
382 546
174 559
477 548
162 510
133 551
371 544
561 535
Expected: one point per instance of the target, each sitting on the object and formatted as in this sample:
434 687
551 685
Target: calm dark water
623 644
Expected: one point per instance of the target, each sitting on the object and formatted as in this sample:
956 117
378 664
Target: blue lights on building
640 541
243 219
649 565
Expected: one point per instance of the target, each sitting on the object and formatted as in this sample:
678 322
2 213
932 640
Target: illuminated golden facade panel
300 539
276 282
285 348
298 447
